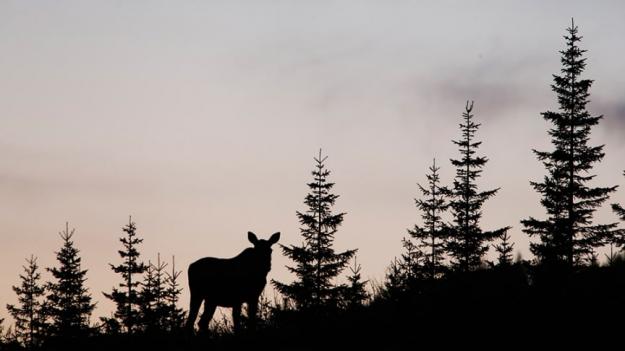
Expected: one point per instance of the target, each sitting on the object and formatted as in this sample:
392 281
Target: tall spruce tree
68 302
568 236
126 297
467 241
429 238
316 263
28 314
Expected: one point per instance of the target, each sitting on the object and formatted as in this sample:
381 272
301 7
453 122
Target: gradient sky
201 119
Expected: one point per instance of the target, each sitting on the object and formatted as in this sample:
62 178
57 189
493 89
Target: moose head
262 248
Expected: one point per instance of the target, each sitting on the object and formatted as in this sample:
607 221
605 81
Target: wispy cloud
613 116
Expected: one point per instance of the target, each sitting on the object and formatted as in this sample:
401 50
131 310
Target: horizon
201 121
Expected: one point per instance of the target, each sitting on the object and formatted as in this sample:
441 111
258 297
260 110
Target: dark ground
497 307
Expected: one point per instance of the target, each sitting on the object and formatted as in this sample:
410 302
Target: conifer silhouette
467 241
126 297
355 293
154 311
412 263
147 317
504 249
175 315
68 302
395 280
316 262
30 320
568 236
429 238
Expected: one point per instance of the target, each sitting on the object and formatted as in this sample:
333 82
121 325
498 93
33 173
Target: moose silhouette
230 282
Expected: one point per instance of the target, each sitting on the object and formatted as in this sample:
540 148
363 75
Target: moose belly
227 292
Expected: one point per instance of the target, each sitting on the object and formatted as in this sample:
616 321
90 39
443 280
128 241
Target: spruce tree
355 294
568 235
299 293
147 317
28 314
429 238
316 263
504 250
153 309
126 296
395 280
412 262
68 302
175 314
467 241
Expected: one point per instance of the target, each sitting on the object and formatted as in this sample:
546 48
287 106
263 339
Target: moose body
230 282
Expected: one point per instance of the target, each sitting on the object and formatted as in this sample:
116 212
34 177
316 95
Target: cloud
613 114
499 88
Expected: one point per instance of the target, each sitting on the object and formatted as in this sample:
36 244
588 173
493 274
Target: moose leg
252 309
236 318
207 315
194 307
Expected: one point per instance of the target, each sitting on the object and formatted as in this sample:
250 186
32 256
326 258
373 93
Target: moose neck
258 263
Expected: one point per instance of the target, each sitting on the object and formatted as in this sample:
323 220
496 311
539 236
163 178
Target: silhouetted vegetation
175 315
425 256
440 283
68 304
126 297
466 243
504 249
152 311
568 236
356 294
317 265
29 314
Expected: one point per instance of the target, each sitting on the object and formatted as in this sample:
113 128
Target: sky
201 120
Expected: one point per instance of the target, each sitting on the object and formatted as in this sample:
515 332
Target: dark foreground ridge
520 303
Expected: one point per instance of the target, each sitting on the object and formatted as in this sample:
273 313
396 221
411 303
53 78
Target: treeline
441 279
59 311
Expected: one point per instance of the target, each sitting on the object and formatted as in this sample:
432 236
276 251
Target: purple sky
201 119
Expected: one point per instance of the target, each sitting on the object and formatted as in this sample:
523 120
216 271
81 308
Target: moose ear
252 238
274 238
